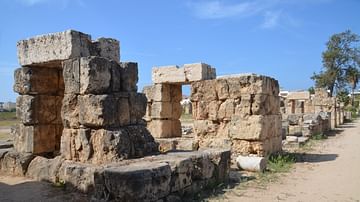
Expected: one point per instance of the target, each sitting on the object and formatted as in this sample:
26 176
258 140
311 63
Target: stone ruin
83 123
239 112
304 115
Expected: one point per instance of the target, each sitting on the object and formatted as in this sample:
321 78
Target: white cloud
269 10
271 19
218 10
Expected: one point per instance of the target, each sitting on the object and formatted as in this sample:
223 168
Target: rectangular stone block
71 75
98 110
15 163
137 102
256 127
107 48
125 113
301 95
50 49
95 75
36 139
161 110
198 72
39 109
143 181
168 74
70 111
160 128
203 91
36 80
129 76
158 93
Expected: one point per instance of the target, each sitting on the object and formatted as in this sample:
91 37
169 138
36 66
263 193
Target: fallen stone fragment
251 163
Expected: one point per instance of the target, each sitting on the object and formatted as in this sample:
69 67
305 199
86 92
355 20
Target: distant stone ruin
305 115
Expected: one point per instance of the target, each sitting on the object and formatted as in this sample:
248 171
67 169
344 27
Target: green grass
318 136
7 116
5 136
281 162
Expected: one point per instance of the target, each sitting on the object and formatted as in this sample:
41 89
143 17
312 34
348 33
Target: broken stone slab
37 80
144 181
251 163
290 138
78 175
15 163
156 177
50 49
43 169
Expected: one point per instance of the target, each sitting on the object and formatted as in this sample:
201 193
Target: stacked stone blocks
239 112
163 98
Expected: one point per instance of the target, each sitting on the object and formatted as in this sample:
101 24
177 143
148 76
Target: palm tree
352 77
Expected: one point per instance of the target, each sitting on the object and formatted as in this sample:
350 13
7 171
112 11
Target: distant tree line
341 66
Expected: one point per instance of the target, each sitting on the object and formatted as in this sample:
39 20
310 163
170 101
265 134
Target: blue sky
279 38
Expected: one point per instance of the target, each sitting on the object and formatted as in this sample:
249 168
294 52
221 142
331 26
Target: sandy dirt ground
330 172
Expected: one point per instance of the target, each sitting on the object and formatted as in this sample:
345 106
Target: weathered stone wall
78 98
240 112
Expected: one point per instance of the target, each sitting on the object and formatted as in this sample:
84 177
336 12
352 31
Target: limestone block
107 48
176 110
265 104
295 130
129 76
42 109
256 127
301 95
198 72
203 91
36 139
235 89
50 49
97 110
44 169
95 75
203 127
67 144
161 110
157 92
36 80
25 108
70 111
109 146
78 175
222 89
143 181
168 74
181 168
71 75
227 109
176 93
251 163
160 128
294 119
125 113
290 138
142 141
15 163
